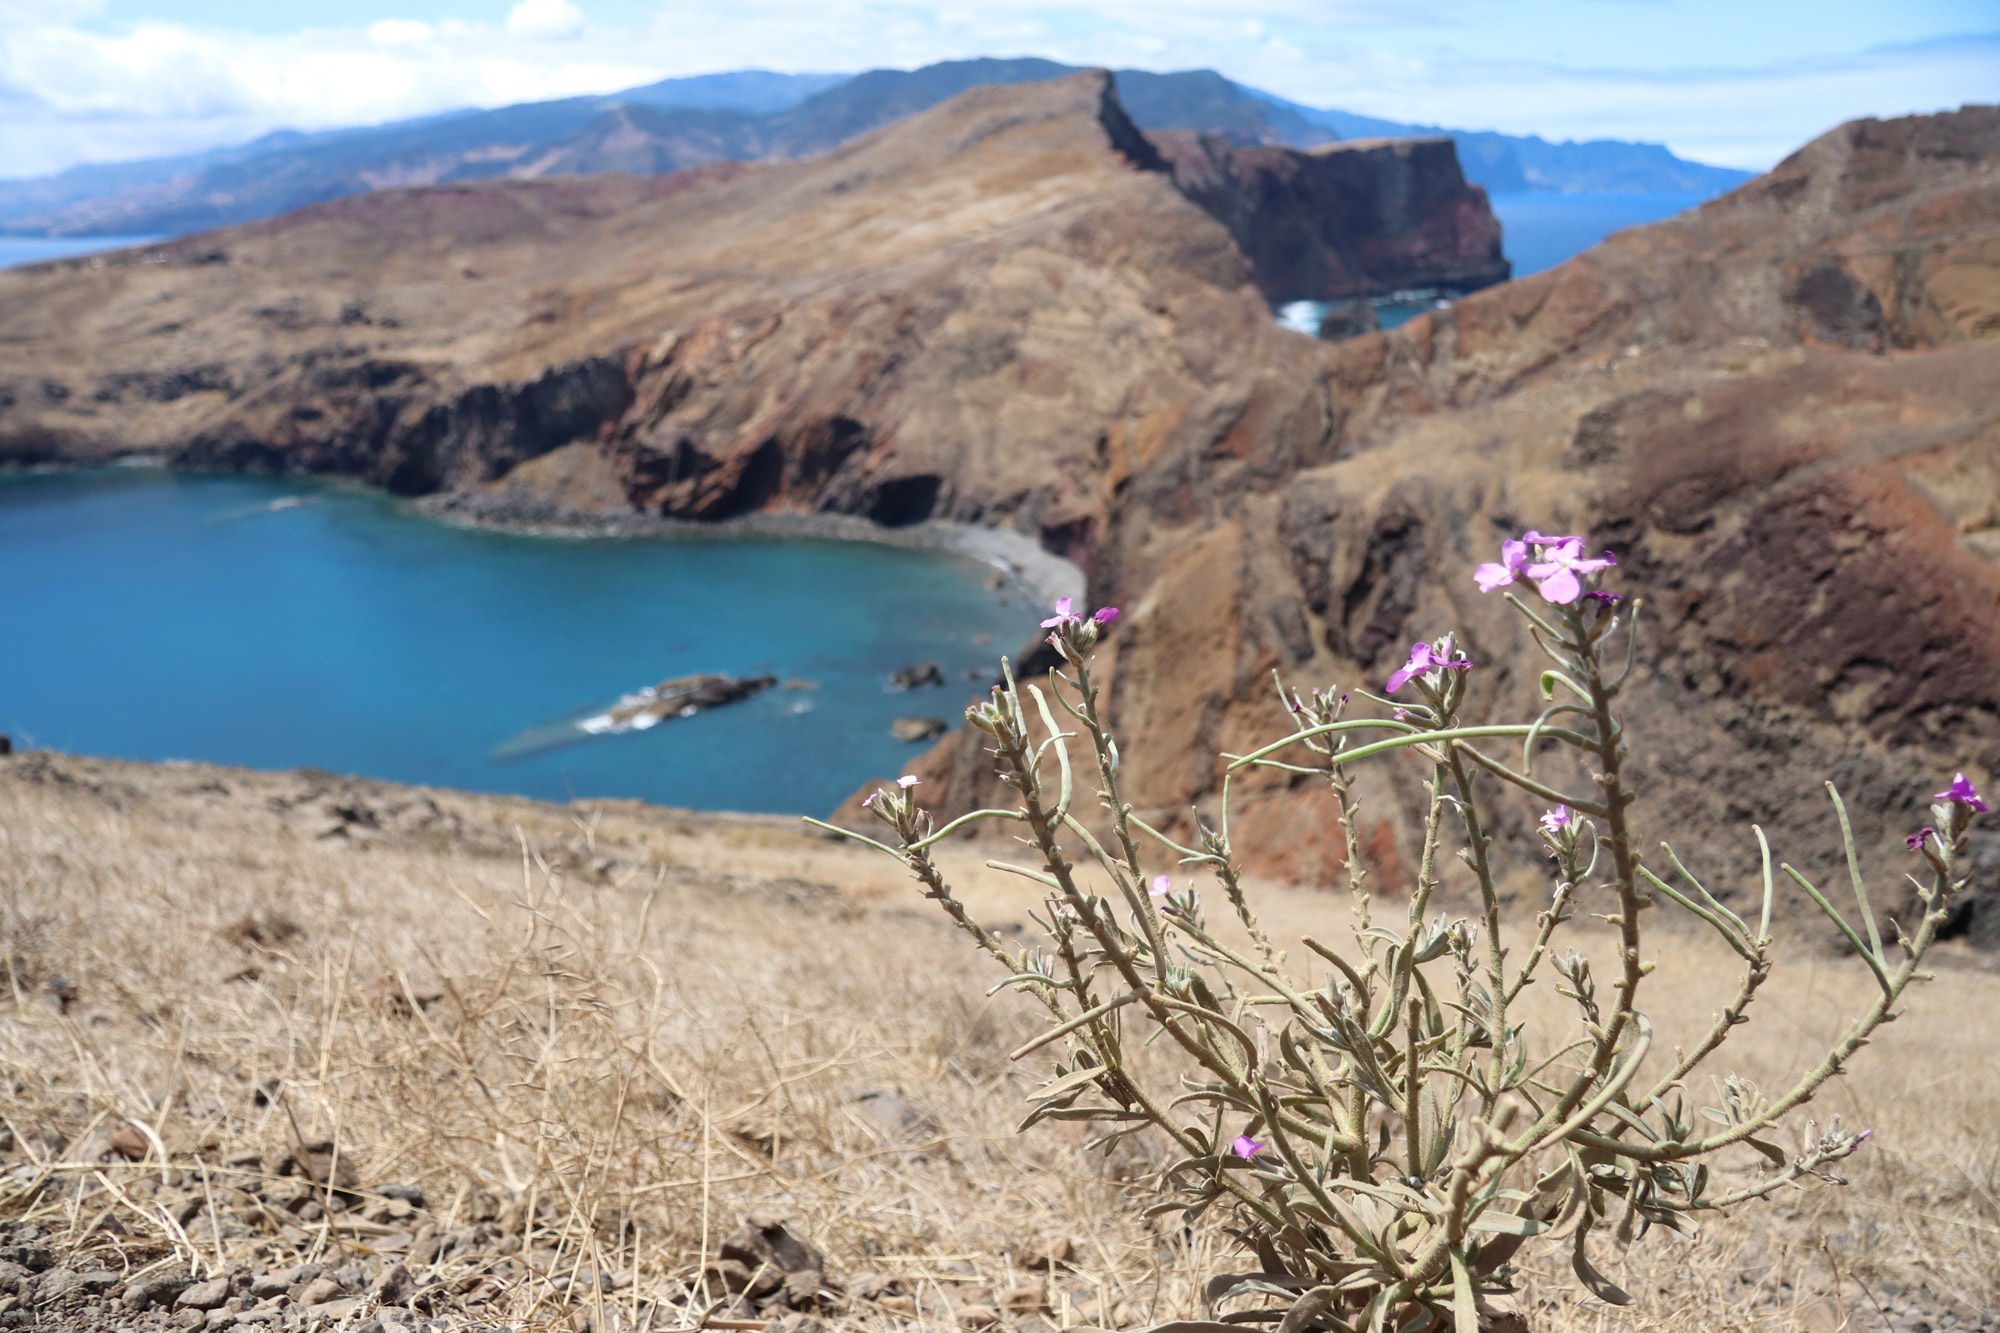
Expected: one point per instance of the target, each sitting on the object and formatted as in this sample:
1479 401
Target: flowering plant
1385 1131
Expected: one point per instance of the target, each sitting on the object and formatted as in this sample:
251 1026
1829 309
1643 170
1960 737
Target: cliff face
1350 219
1783 411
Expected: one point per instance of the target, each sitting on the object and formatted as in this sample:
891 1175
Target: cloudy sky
1738 82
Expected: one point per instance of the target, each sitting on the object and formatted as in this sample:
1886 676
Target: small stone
57 1284
34 1258
318 1292
321 1164
207 1295
1033 1299
129 1143
149 1292
977 1316
225 1318
767 1239
334 1310
299 1275
411 1194
393 1285
190 1318
269 1285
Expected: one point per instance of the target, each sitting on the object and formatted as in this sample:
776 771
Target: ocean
275 622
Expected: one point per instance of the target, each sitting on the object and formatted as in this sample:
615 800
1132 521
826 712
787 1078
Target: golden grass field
651 1024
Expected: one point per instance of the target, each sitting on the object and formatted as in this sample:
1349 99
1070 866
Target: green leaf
1464 1299
1772 1152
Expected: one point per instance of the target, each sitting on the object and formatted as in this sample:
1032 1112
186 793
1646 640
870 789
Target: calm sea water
1541 231
151 616
15 250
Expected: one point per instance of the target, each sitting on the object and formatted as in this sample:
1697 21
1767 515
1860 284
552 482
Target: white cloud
74 87
400 32
546 20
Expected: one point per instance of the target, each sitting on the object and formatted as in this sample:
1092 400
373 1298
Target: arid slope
1781 410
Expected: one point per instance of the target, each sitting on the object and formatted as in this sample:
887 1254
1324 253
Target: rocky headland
1015 310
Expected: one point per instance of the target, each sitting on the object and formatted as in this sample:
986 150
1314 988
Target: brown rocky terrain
290 1051
1782 410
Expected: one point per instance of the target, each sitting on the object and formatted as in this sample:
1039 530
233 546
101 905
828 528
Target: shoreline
1040 575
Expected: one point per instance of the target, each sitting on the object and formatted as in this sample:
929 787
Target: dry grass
650 1024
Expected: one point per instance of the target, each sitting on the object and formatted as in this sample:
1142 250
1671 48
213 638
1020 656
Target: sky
1734 82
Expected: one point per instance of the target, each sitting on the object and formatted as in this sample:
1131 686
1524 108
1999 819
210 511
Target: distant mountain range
744 116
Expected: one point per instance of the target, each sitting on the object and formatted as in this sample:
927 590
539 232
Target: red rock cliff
1781 409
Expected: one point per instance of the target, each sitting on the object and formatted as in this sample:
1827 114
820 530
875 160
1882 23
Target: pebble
207 1295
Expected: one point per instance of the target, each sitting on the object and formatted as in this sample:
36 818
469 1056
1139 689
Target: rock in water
913 677
682 696
914 729
1348 321
641 710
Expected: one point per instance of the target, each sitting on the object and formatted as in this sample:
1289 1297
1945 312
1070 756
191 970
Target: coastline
1035 573
1040 575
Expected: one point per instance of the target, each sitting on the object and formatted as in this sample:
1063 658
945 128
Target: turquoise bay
150 615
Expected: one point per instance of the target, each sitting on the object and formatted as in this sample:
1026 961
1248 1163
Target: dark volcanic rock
914 677
1363 218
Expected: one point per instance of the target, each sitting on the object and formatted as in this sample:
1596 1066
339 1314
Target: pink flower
1162 885
871 798
1556 572
1556 820
1513 556
1962 792
908 781
1104 615
1915 842
1062 615
1426 657
1247 1147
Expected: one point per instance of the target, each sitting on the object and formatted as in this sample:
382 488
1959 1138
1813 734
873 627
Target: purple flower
1915 842
1427 657
1602 597
1246 1147
1556 820
1104 615
907 781
871 798
1513 556
1162 885
1962 792
1556 572
1062 615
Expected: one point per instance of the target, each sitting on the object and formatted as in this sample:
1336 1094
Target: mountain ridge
742 116
1780 410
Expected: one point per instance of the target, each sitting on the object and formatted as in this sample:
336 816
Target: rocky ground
1780 410
302 1051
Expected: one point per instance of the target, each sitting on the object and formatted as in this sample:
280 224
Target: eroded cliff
1781 409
